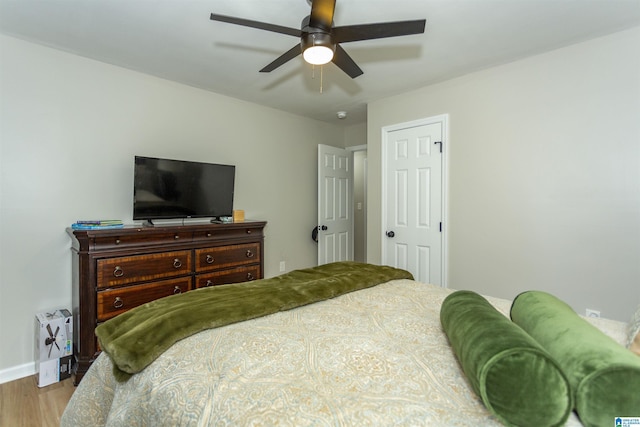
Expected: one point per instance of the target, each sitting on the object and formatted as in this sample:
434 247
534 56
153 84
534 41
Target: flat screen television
174 189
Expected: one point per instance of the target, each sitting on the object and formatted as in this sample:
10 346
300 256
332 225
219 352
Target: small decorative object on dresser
115 270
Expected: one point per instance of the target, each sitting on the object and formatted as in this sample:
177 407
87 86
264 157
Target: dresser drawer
142 238
122 270
116 301
231 233
234 275
227 256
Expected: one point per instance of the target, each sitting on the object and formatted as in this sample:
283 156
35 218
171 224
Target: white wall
69 128
355 135
544 174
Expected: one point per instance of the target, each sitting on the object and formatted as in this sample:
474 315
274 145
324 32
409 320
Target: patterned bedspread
375 357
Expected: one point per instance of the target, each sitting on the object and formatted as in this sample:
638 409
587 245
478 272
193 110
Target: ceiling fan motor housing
317 38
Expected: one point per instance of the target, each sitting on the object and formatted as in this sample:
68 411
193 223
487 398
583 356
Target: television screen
166 189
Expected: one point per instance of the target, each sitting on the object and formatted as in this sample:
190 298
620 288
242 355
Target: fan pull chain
313 75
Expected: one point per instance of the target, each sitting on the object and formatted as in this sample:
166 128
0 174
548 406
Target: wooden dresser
115 270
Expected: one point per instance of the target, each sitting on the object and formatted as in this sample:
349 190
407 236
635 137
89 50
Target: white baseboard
17 372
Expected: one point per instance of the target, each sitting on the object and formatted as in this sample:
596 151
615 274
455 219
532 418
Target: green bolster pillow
515 377
604 376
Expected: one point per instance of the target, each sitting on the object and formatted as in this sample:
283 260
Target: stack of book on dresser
97 224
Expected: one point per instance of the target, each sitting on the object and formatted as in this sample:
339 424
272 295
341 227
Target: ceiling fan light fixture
318 55
317 48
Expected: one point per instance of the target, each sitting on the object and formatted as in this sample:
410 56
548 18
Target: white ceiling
176 40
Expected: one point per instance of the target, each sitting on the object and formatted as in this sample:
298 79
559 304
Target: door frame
386 130
354 149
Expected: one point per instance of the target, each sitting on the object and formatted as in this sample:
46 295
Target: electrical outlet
592 313
282 267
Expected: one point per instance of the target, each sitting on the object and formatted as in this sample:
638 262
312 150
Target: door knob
324 228
390 234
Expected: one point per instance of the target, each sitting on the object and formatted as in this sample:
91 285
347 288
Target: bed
372 357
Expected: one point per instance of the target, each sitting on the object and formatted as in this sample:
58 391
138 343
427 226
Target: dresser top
166 228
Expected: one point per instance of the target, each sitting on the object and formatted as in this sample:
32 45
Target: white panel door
335 210
413 201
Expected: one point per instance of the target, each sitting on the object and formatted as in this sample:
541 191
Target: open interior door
335 204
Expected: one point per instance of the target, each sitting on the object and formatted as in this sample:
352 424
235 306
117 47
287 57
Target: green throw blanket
136 338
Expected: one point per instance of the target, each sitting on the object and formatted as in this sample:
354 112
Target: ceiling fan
52 339
320 40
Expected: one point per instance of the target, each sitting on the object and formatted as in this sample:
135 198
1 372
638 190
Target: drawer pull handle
209 283
250 276
208 234
209 259
249 254
248 231
177 263
176 237
118 272
117 241
118 303
177 290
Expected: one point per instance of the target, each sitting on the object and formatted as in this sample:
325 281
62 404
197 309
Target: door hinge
441 227
439 142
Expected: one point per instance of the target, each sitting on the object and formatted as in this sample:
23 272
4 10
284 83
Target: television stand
221 221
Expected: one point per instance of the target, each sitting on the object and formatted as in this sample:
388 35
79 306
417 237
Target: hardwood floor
23 404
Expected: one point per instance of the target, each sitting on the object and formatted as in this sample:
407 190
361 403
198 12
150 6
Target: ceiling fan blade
322 14
256 24
342 59
285 57
352 33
